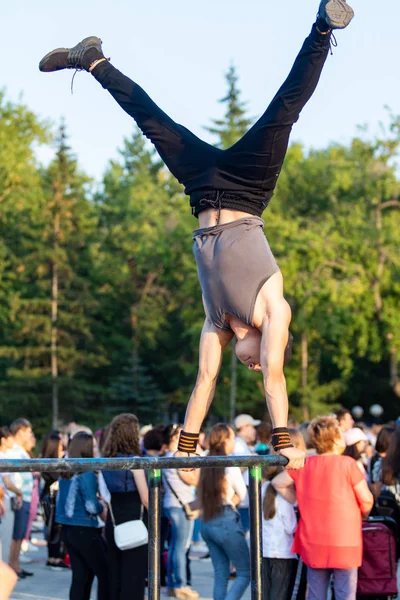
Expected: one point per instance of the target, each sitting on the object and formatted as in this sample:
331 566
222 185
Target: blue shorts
21 520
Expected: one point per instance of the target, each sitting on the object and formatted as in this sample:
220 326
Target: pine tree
52 339
235 123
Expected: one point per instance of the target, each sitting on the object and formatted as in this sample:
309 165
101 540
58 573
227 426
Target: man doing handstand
229 189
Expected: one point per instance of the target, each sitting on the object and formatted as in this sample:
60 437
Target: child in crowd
279 523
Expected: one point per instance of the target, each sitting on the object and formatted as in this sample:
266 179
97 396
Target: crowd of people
311 518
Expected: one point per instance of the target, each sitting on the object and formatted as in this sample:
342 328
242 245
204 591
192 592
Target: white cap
243 420
354 435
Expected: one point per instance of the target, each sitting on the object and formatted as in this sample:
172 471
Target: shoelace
75 72
332 43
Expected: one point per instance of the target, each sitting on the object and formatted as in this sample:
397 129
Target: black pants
254 162
128 568
279 578
87 551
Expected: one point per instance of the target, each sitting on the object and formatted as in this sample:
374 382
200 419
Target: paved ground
49 585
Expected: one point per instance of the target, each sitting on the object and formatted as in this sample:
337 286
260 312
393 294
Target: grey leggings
344 583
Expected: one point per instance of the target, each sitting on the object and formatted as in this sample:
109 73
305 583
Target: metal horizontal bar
70 465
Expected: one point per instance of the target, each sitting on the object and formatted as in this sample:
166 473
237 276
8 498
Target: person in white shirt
279 523
21 429
245 439
7 519
220 491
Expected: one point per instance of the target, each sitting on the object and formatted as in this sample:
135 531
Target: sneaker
27 546
189 593
336 13
25 560
80 57
59 566
27 573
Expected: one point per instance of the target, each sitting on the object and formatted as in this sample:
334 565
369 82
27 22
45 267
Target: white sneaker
25 560
27 546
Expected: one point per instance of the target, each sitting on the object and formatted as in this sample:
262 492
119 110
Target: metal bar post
255 532
154 534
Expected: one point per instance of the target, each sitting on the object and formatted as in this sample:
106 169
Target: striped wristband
281 439
188 442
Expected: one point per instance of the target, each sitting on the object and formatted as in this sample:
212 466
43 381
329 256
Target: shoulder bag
191 509
130 534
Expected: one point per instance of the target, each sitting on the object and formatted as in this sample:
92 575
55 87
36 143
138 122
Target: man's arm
9 485
212 344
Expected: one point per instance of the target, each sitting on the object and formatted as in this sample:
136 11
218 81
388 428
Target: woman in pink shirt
333 497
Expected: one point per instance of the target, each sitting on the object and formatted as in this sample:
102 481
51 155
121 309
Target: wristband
188 442
281 439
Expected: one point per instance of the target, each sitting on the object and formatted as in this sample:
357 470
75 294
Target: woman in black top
129 494
52 448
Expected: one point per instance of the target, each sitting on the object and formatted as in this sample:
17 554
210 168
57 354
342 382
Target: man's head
345 419
21 429
245 427
154 441
248 345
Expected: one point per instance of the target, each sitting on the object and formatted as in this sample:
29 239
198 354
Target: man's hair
340 413
324 431
154 439
19 424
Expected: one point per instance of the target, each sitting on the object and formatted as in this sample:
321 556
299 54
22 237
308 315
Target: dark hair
5 433
50 445
122 436
212 481
264 432
154 439
383 439
170 431
19 424
340 413
80 446
352 451
391 462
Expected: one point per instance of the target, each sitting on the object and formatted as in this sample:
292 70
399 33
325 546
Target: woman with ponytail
220 490
279 524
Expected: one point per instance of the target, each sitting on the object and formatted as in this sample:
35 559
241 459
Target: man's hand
18 501
296 457
179 454
2 509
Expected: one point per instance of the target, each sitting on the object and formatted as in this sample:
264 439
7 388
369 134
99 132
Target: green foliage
129 302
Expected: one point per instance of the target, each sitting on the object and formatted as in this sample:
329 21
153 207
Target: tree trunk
304 376
232 398
54 336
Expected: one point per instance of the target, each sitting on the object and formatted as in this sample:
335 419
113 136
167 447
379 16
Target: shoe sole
339 17
89 41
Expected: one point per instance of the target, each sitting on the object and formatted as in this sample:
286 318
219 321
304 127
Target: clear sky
179 50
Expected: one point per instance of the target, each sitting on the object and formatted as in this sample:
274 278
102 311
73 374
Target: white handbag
130 534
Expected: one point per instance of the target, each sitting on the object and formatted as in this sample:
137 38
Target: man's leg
185 154
258 156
